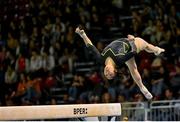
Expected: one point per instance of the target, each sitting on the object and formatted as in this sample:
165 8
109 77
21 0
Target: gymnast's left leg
149 47
141 44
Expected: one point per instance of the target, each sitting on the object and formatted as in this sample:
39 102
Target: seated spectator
53 102
2 54
21 87
66 98
33 93
35 62
175 78
50 62
146 76
106 98
157 86
9 60
2 86
10 79
20 91
149 31
11 43
44 61
121 98
95 78
49 81
138 97
94 99
22 64
67 60
37 88
23 39
73 90
168 94
157 62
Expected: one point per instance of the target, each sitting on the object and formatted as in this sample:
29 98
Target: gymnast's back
119 50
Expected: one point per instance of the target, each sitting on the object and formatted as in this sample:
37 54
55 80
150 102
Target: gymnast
122 51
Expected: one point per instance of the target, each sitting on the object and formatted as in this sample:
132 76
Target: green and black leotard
119 50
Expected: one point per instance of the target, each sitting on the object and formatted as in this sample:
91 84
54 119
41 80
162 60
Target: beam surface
59 111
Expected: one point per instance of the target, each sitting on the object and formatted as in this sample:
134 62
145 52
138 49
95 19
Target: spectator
11 42
44 61
53 102
121 98
149 32
50 62
73 90
22 64
21 90
35 62
49 81
10 79
168 94
2 54
2 86
106 98
33 90
175 79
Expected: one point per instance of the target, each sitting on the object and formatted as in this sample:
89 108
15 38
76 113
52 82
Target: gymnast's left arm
137 78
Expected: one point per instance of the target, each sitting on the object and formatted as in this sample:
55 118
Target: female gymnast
122 51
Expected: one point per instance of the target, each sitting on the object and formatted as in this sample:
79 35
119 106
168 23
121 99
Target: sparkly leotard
119 50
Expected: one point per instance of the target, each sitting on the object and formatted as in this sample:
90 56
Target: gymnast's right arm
83 35
89 44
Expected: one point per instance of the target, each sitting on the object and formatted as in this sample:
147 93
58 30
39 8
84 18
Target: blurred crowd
38 48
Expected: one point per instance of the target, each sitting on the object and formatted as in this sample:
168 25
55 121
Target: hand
79 31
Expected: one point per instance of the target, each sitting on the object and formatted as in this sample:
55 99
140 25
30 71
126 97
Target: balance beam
59 111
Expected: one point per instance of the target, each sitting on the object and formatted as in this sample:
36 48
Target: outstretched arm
83 36
89 45
137 78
